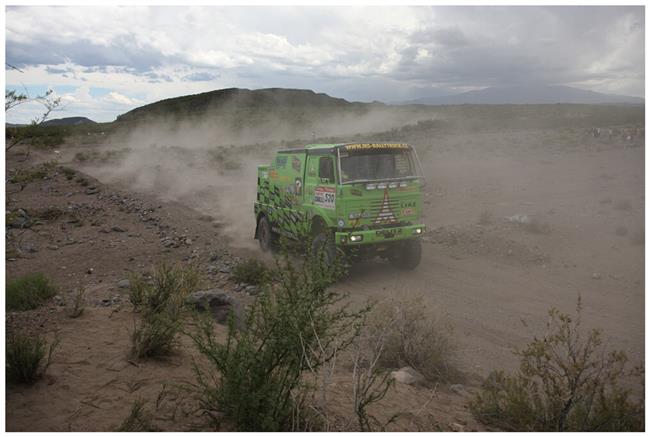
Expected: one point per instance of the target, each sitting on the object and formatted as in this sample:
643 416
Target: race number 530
325 197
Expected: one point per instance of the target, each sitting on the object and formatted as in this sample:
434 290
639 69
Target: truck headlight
356 238
371 186
392 185
403 184
417 231
381 186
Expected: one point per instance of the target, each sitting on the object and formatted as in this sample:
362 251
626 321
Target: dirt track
586 205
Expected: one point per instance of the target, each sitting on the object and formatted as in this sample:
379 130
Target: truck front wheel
407 255
323 246
265 234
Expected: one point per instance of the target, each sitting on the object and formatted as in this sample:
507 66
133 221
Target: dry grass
415 337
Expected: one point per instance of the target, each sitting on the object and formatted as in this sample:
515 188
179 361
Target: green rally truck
363 199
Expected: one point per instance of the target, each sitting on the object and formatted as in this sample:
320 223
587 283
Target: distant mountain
245 102
67 121
540 94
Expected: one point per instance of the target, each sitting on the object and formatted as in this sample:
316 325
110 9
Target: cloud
359 53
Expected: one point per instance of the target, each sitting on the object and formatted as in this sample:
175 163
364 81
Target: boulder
407 375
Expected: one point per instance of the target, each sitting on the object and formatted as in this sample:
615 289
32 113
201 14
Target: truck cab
360 198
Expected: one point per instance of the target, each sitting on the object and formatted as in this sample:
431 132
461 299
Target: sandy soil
483 273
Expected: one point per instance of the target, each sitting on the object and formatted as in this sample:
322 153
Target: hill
538 94
67 121
246 102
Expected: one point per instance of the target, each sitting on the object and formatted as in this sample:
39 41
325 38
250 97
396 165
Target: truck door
320 185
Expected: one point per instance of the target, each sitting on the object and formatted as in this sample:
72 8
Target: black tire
323 245
407 255
265 235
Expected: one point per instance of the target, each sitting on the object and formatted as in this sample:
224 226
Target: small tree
293 327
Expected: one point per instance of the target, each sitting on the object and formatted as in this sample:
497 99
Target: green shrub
28 292
566 381
26 175
412 337
160 305
25 355
252 272
138 420
290 329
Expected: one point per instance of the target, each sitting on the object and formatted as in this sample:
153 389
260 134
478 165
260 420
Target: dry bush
26 360
78 304
291 330
416 338
138 420
161 307
567 381
251 271
370 381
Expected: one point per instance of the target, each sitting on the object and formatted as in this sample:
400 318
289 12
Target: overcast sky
105 61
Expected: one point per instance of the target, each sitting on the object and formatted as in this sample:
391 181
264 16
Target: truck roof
328 147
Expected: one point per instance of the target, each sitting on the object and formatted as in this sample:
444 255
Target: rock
224 269
252 290
92 190
117 229
521 219
59 300
90 271
106 302
596 276
124 283
407 375
219 303
457 427
53 247
459 389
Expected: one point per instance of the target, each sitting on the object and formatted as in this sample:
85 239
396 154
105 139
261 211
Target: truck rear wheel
407 255
265 235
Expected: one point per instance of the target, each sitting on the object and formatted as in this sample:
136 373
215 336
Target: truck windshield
377 165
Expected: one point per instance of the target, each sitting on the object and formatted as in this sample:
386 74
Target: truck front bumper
377 236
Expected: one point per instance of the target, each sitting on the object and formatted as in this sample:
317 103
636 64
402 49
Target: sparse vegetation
24 176
78 303
251 271
28 292
25 355
138 420
412 337
290 329
370 382
566 381
160 304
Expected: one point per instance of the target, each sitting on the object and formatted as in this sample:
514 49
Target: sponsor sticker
325 197
366 146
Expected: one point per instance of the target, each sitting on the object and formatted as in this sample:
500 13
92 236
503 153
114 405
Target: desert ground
518 221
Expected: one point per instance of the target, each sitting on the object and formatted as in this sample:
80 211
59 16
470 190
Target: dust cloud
210 163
